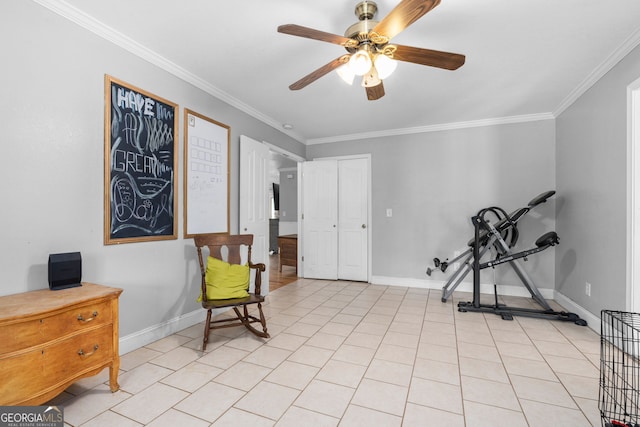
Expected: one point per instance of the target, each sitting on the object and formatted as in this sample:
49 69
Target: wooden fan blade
310 33
375 92
432 58
404 14
325 69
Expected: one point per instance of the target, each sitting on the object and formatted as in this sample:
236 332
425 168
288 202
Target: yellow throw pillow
225 281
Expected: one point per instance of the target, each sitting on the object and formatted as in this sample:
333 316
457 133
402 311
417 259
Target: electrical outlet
389 213
587 289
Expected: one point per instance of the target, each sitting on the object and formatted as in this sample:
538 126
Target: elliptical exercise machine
505 239
485 230
498 238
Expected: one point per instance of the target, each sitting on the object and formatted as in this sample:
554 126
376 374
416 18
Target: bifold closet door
353 179
320 219
335 215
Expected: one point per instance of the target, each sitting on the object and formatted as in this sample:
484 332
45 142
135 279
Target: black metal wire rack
619 391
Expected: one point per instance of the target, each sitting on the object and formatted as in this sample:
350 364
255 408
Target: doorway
283 177
259 163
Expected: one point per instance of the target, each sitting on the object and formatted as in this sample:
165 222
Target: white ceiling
525 60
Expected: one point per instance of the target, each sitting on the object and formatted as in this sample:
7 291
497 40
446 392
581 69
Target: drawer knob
84 355
82 319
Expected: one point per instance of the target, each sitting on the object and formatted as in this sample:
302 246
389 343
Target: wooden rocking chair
233 244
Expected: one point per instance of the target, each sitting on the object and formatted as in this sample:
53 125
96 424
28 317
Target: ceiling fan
370 53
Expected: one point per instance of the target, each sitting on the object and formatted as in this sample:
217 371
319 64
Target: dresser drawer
38 331
36 371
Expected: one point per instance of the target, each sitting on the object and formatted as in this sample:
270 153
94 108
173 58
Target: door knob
364 226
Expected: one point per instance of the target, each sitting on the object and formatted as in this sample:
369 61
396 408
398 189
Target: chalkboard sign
140 165
206 175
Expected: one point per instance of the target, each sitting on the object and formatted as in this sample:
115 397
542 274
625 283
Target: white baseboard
592 320
406 281
485 288
154 333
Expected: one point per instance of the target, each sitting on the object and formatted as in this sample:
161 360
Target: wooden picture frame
206 175
140 165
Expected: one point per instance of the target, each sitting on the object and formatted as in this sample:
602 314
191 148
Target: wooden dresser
288 250
50 339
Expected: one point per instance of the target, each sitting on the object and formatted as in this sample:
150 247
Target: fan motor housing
365 11
360 29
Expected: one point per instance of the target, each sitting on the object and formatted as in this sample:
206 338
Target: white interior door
254 201
353 179
320 219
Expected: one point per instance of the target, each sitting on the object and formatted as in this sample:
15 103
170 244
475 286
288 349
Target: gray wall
592 177
289 196
52 175
434 182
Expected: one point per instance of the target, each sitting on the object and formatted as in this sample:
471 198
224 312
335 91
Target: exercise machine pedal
439 265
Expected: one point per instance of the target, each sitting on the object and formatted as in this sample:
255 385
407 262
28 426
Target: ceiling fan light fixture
384 65
346 74
370 53
360 62
371 78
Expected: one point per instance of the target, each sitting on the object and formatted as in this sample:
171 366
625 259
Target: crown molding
88 22
434 128
616 56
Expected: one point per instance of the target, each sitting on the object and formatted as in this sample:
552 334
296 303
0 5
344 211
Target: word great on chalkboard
142 161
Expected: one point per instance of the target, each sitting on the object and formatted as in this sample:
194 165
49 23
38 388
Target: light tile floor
353 354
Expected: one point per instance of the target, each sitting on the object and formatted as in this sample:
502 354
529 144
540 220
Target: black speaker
65 270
